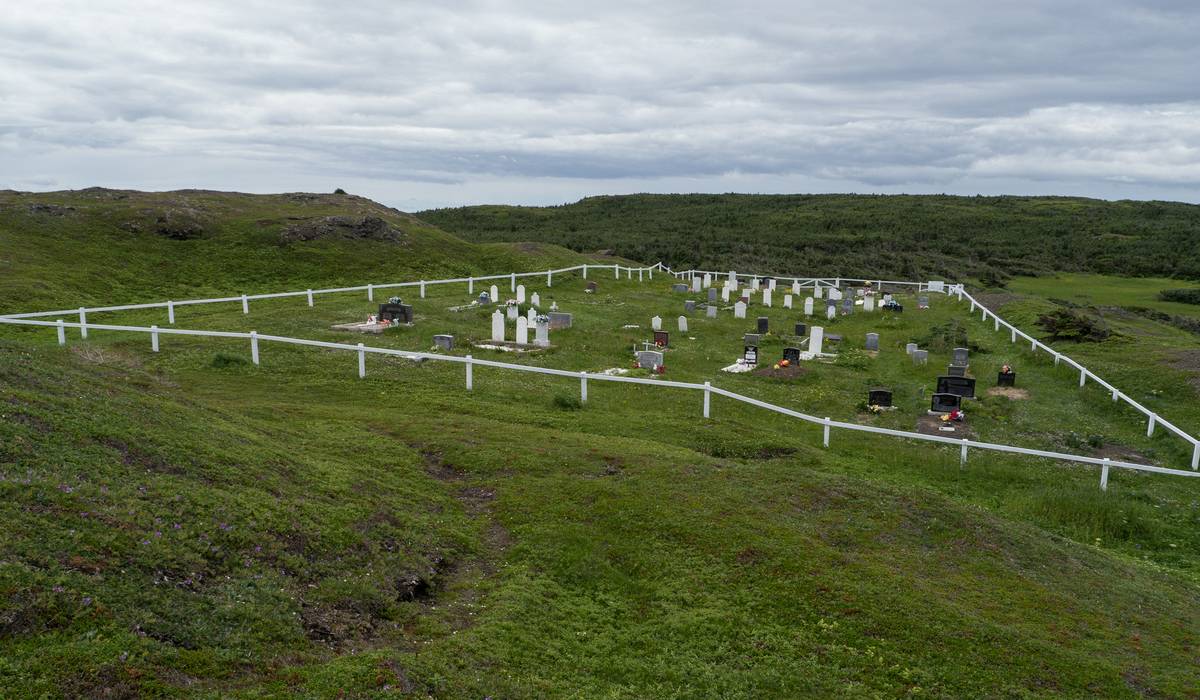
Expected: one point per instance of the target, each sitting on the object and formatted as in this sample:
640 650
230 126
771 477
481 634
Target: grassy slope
626 549
899 237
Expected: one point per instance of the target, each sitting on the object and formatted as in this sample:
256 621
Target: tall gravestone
808 306
796 288
511 311
767 296
787 301
763 324
696 284
522 331
535 299
707 280
494 292
816 340
683 324
656 323
497 326
520 294
771 284
712 294
725 295
830 312
818 292
868 303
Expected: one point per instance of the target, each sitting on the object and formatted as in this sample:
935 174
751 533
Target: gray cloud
463 103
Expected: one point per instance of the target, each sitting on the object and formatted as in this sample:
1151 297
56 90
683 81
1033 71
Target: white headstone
696 284
707 280
497 326
535 299
656 323
531 315
818 292
520 294
835 294
513 312
754 283
936 286
733 277
796 288
767 296
771 284
683 324
830 311
787 301
522 331
543 332
725 294
808 306
739 310
816 339
868 303
494 294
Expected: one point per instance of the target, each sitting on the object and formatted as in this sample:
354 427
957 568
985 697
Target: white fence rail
29 319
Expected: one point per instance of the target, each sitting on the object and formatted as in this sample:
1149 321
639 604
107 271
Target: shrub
567 403
1067 324
1185 296
339 191
224 359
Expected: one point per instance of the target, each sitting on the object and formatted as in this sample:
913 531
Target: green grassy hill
188 524
896 237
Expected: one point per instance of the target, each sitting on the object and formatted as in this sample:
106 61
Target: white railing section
950 289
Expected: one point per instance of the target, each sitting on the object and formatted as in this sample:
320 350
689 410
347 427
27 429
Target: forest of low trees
896 236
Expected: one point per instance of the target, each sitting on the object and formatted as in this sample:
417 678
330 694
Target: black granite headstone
960 386
398 313
792 355
1006 379
801 329
945 403
751 354
879 397
763 324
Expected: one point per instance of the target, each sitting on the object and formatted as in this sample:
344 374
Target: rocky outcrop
349 227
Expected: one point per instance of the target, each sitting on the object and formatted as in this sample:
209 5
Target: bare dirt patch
789 372
1121 453
932 425
1011 392
995 300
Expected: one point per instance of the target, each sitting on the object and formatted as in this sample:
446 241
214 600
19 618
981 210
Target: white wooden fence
827 424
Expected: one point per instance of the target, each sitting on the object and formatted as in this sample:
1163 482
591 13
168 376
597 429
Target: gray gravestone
872 341
944 402
542 333
689 306
683 324
959 357
751 339
920 357
649 359
910 348
445 342
712 294
830 312
847 306
711 311
559 320
808 306
522 331
679 288
956 370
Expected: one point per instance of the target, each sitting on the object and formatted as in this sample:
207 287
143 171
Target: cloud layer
420 105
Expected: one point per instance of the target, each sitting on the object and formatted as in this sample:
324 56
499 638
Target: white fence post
1150 424
62 333
585 270
639 274
245 304
972 306
154 338
471 286
996 326
310 297
549 278
422 289
82 322
1082 377
583 387
370 292
470 365
1057 357
171 312
362 361
1196 456
513 282
1013 337
1104 475
651 271
827 431
962 457
254 346
616 272
707 394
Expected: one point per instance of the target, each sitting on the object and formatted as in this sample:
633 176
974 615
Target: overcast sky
420 106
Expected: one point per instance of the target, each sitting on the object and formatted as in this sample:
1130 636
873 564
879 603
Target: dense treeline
904 236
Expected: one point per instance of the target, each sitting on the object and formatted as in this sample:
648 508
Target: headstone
792 355
535 299
732 277
754 284
847 306
689 306
750 354
963 386
879 397
763 324
1006 378
771 284
945 403
868 303
683 324
396 312
816 340
591 287
959 357
818 292
712 294
801 329
559 320
835 293
445 342
920 357
679 288
725 294
910 348
656 323
830 312
956 370
696 284
936 286
787 301
739 310
531 315
922 302
649 359
707 280
887 298
522 331
542 334
484 298
872 341
512 311
711 311
494 292
520 294
796 288
497 326
662 339
859 291
808 306
751 339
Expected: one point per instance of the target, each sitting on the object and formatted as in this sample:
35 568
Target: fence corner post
171 312
422 289
470 382
583 387
549 278
62 333
585 270
471 286
827 431
254 346
362 361
1196 456
512 283
707 398
1104 475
